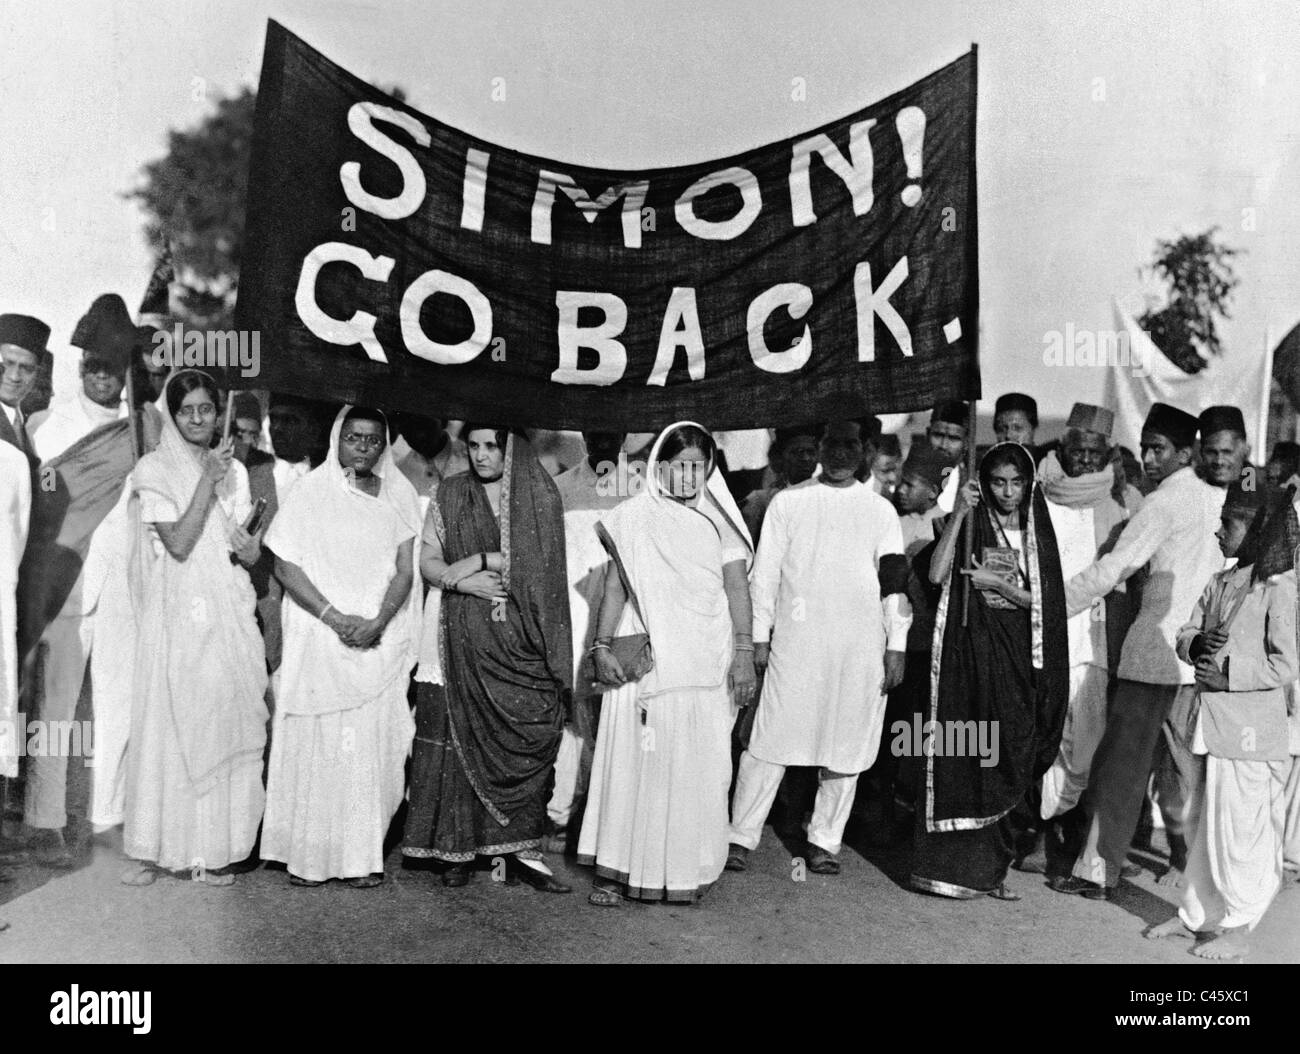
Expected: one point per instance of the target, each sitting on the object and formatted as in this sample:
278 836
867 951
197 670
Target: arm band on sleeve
893 574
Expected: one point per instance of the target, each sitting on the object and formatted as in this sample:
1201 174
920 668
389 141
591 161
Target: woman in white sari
343 543
656 821
198 726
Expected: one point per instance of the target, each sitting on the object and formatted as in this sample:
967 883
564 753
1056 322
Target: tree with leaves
194 198
1198 271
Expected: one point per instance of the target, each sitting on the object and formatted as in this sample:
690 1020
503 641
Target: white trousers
1234 865
1085 723
756 785
573 762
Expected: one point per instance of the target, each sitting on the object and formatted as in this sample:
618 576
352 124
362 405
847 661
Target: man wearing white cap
1089 506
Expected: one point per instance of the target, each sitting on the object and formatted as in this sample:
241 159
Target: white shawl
346 542
673 554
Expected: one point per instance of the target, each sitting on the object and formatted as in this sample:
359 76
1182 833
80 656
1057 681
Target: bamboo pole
130 412
968 528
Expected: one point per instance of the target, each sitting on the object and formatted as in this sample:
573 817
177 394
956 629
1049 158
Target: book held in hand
1001 560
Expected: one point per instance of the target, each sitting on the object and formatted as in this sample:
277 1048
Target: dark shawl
1008 666
506 665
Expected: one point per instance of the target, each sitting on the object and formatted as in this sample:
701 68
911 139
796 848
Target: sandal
139 875
306 883
605 897
1003 893
213 878
364 881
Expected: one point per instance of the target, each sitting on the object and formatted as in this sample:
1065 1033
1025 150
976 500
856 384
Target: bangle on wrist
325 611
598 646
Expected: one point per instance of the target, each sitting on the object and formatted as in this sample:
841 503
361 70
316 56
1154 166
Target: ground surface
763 915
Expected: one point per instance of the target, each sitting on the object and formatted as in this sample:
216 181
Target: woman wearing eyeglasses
198 725
343 543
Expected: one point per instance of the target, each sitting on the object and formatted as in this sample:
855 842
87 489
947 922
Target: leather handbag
635 654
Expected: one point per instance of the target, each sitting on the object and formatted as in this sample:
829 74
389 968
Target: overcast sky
1102 126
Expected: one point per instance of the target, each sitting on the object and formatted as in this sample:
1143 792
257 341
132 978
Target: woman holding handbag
675 652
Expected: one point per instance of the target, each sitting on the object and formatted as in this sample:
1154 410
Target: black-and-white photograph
637 481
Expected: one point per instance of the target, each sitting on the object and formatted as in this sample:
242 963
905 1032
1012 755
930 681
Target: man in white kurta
587 496
827 631
95 626
1079 485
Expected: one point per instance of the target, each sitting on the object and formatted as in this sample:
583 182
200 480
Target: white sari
342 724
198 724
656 816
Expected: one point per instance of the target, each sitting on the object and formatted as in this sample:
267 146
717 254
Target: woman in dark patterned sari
486 742
1003 676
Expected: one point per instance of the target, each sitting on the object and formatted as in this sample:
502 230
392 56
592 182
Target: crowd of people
399 615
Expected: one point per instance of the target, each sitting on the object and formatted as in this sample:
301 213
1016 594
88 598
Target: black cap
870 427
247 405
926 463
1242 502
1222 419
784 435
953 413
1175 425
1017 401
106 331
24 331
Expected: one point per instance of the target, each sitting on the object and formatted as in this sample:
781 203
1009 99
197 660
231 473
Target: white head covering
324 526
715 490
395 488
182 461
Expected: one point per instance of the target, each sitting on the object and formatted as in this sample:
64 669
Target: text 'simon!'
393 257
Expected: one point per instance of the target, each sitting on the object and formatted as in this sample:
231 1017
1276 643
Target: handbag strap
612 549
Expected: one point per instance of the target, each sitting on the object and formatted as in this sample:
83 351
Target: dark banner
392 260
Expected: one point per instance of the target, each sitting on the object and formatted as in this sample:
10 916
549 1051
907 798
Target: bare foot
1171 879
1169 928
1230 944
